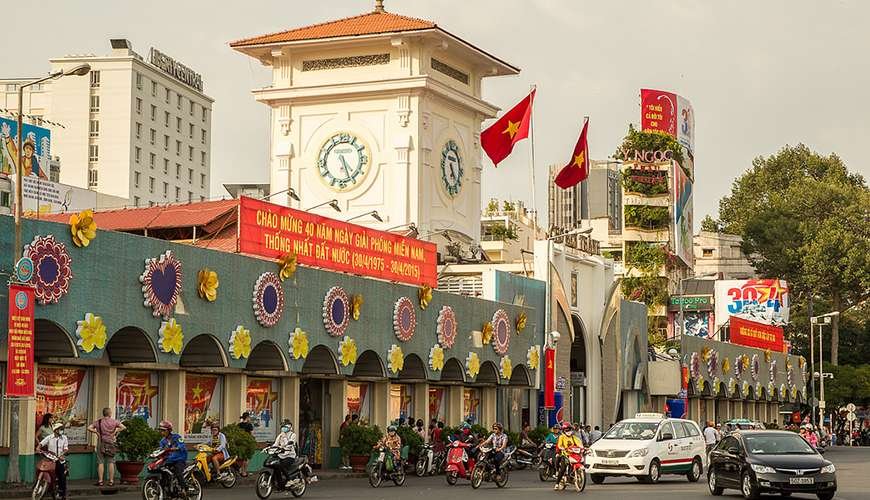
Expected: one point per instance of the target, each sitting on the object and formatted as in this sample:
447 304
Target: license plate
801 480
609 461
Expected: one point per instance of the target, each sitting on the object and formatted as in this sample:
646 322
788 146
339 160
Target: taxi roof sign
649 416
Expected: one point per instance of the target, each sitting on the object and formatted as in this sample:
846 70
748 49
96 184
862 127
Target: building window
93 152
136 178
165 189
202 198
151 203
138 130
190 131
203 114
151 184
153 89
202 138
95 104
167 95
5 199
202 181
153 112
92 178
135 201
177 193
165 143
189 196
202 158
94 128
152 136
138 106
166 166
95 79
192 106
139 81
177 148
178 125
190 153
137 153
152 158
11 87
166 118
180 100
190 176
178 170
707 252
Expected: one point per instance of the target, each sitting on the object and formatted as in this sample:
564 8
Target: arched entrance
579 371
52 341
266 356
203 351
131 345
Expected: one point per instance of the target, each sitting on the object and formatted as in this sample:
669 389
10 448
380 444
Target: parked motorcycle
526 456
460 462
162 484
46 482
576 469
547 469
275 478
385 467
225 475
429 462
485 468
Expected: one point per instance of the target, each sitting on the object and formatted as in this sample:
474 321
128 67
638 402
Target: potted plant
412 440
135 442
356 443
240 442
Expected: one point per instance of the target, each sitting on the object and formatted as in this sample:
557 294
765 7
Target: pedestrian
437 438
44 429
421 431
588 435
58 445
344 424
595 435
245 425
106 429
710 436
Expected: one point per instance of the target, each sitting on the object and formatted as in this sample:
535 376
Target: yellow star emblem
578 160
512 129
197 390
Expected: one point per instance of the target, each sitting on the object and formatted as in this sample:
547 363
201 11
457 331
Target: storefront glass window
438 403
311 420
203 397
65 392
400 401
138 395
471 405
261 402
359 401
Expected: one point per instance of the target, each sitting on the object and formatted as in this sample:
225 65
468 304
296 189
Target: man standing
58 445
595 435
710 436
106 429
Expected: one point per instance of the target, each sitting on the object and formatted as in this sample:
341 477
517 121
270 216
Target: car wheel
748 487
715 490
655 472
695 472
597 478
828 495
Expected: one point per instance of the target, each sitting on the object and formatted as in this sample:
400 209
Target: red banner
272 230
549 379
658 111
20 380
752 334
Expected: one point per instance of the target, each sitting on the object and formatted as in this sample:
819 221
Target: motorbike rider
566 441
57 444
178 452
286 443
393 443
220 446
499 441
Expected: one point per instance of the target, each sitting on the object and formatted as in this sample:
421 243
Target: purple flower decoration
268 299
161 284
52 268
404 319
501 332
336 311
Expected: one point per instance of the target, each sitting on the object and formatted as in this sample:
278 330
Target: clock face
451 168
343 161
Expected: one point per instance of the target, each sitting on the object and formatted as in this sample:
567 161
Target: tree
709 224
805 218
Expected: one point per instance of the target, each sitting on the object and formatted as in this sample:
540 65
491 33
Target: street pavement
853 474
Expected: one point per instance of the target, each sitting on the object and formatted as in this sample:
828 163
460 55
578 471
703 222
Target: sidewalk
86 487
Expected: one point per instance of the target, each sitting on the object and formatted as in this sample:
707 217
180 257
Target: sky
759 75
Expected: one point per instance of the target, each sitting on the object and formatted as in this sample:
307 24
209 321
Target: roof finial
379 6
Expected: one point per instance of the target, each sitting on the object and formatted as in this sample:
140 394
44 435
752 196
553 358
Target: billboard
760 300
755 334
271 230
681 192
42 196
36 153
668 113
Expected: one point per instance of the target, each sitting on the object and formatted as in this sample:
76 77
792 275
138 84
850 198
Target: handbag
106 449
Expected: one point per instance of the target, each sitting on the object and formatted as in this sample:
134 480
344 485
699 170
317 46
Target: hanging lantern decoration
446 327
404 319
268 299
501 335
336 311
161 284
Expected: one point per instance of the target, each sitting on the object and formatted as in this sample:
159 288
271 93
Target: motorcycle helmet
391 428
165 425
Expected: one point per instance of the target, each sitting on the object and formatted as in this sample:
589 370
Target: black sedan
756 462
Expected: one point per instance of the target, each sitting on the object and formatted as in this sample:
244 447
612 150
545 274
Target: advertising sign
686 124
42 196
762 300
273 230
19 366
681 191
65 392
753 334
261 401
202 403
668 113
36 153
138 396
549 378
695 323
691 303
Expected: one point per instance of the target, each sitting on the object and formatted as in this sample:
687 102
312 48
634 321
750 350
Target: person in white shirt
711 436
286 443
58 445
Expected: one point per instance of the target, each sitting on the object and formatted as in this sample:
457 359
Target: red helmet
165 425
566 426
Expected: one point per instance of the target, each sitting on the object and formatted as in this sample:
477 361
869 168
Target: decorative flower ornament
533 357
52 268
287 265
767 355
336 311
91 333
436 358
506 367
732 386
501 332
472 364
783 392
771 391
755 367
744 389
695 366
240 342
161 283
424 294
347 351
758 389
802 363
773 371
794 393
486 333
171 337
404 319
298 344
83 228
712 362
726 367
717 386
268 299
705 353
396 359
208 284
699 385
446 327
356 306
789 374
522 319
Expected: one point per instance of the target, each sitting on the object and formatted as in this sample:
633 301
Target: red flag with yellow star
578 168
498 140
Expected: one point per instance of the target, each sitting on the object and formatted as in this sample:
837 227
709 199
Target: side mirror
733 450
666 436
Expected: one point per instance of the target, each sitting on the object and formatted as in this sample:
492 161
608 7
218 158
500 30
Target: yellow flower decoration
347 351
472 364
299 344
356 306
171 337
397 358
287 265
801 362
705 353
744 360
208 284
436 358
787 363
83 228
794 392
507 368
91 332
699 383
726 365
486 333
767 355
425 296
533 357
522 319
240 342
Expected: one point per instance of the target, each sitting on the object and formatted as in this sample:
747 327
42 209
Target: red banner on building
20 377
658 111
752 334
549 379
272 230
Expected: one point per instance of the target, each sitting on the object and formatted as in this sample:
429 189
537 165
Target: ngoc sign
273 230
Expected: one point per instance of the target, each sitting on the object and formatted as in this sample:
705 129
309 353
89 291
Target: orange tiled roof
157 217
372 23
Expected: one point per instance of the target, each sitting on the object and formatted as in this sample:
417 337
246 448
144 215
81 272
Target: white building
722 254
505 235
132 128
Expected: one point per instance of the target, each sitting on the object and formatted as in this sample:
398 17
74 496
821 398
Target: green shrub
648 141
651 290
647 217
240 442
659 187
646 257
447 432
357 439
137 440
539 434
411 439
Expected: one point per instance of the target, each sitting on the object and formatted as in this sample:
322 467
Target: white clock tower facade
382 113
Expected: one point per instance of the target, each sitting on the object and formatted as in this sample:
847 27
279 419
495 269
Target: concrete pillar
381 404
421 402
173 399
337 403
288 400
454 405
487 406
235 393
105 387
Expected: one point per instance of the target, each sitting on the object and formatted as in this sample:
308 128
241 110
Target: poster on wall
400 401
761 300
697 323
138 396
261 402
358 400
681 191
36 153
437 406
65 393
666 112
471 406
202 403
21 342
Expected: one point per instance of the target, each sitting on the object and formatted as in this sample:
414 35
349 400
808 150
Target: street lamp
821 320
682 280
442 232
291 193
331 203
13 475
373 213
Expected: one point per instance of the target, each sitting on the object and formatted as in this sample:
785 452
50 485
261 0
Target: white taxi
646 447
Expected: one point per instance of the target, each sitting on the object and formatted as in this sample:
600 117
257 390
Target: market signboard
761 300
271 230
754 334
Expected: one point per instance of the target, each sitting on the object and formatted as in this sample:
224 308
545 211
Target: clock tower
380 112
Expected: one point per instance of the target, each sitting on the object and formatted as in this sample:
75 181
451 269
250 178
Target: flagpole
532 158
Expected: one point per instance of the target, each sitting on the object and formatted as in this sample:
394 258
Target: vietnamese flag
498 140
577 168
